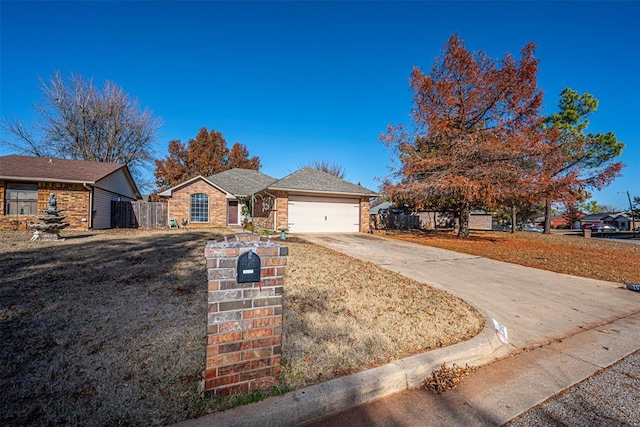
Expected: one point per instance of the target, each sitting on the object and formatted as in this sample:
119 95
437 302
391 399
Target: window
21 199
199 208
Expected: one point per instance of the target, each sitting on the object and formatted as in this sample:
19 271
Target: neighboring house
84 190
480 220
307 201
620 220
384 207
560 221
426 220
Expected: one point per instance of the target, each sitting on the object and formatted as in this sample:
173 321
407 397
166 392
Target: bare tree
610 208
328 167
76 120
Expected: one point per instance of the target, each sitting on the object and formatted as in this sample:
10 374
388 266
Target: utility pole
633 217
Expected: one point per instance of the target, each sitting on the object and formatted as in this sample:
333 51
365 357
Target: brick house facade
84 190
180 204
268 201
73 199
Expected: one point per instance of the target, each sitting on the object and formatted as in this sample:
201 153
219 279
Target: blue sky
302 81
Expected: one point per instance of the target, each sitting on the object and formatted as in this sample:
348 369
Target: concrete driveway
536 306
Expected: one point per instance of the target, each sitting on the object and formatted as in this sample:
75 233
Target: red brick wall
364 214
180 204
244 326
282 200
73 199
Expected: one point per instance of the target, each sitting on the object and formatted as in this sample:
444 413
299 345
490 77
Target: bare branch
80 121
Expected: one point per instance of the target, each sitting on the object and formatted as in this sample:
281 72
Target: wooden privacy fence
395 221
139 214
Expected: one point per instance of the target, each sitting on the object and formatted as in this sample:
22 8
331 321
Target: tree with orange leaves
206 155
474 135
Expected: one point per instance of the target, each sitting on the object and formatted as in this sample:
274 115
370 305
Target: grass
596 258
109 328
342 315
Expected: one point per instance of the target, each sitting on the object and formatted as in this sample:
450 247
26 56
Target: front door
232 212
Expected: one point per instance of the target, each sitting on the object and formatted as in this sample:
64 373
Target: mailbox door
248 267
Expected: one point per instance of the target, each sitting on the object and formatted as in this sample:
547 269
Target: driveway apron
536 306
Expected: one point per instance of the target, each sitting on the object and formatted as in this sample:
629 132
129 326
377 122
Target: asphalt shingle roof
54 169
313 180
242 182
600 216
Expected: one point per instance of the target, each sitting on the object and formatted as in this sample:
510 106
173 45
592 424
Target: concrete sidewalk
502 390
539 309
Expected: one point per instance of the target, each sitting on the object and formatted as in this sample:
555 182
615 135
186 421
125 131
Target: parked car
532 227
588 226
604 227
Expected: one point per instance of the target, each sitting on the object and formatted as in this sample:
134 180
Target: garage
316 214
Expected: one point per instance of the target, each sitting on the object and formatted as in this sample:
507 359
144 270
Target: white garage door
313 214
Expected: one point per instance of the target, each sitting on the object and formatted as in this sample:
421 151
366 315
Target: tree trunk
513 219
547 217
463 231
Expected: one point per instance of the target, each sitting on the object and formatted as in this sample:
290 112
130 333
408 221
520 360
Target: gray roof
242 182
600 216
377 208
315 181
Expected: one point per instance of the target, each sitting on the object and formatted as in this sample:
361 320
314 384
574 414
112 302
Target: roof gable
601 216
242 182
54 169
169 191
313 180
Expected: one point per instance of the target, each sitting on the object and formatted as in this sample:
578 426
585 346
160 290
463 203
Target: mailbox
248 267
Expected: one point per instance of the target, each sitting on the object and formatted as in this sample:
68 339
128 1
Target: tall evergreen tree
582 160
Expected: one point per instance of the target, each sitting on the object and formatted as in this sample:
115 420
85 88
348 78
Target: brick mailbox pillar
244 327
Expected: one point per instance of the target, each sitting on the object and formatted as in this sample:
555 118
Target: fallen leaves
447 378
596 258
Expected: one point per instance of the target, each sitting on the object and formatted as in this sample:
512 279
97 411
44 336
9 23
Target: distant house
559 221
307 201
425 220
480 220
84 190
380 208
620 220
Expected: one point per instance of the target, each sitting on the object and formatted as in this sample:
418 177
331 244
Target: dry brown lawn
596 258
109 328
342 315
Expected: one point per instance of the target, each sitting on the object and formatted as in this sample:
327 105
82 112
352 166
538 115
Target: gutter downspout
84 184
169 213
275 210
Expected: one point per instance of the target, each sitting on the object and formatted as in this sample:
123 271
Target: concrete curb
345 392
